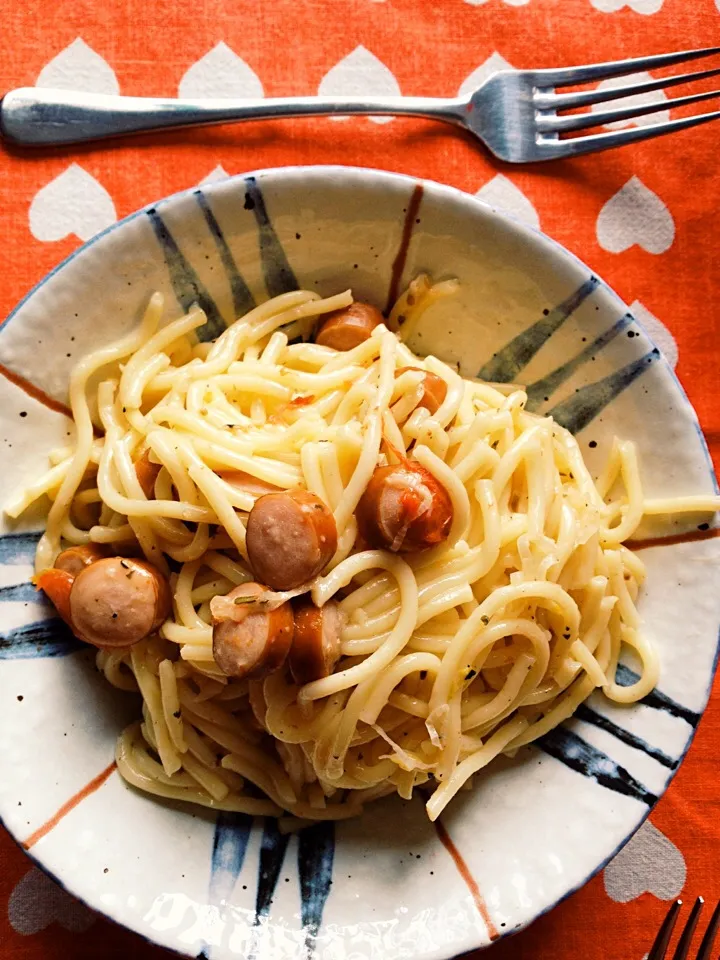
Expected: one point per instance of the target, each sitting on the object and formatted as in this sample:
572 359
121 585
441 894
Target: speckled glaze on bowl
390 884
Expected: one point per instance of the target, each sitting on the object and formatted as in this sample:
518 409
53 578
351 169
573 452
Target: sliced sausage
434 389
349 327
147 472
316 645
247 640
404 509
75 559
290 538
57 584
116 601
246 483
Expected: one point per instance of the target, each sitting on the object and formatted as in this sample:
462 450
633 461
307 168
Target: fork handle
31 116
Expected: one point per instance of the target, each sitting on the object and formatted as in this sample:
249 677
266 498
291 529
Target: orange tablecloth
644 217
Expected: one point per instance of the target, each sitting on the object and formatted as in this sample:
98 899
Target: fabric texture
644 218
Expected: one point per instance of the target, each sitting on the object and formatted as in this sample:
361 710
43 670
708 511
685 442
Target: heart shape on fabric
37 901
79 67
74 202
635 215
640 99
360 73
648 863
502 193
220 73
646 7
657 330
217 174
493 64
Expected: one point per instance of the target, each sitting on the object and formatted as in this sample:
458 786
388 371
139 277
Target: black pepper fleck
703 526
592 444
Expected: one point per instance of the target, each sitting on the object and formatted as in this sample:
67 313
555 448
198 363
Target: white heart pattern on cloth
653 96
646 7
220 73
73 203
216 174
502 193
493 64
37 901
657 330
360 73
635 215
648 863
79 67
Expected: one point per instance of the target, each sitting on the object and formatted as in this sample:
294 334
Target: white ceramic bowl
534 828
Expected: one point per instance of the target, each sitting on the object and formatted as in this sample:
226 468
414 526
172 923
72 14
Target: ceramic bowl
390 884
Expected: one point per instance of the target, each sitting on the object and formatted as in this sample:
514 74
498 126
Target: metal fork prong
571 101
683 947
659 947
581 121
602 71
708 941
576 147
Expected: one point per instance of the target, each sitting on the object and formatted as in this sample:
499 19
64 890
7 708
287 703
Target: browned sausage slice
349 327
290 538
147 472
404 509
247 640
246 483
434 389
75 559
316 645
116 602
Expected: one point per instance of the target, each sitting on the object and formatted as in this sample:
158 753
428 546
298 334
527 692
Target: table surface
644 217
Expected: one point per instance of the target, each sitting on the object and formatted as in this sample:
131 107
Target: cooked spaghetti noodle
449 656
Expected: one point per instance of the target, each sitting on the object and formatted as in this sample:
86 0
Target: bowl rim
526 232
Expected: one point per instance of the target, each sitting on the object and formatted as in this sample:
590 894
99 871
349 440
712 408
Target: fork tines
547 102
659 949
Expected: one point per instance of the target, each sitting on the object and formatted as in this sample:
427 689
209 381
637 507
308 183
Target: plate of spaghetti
352 532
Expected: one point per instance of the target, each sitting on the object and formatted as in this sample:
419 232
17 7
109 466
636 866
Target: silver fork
516 113
659 949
